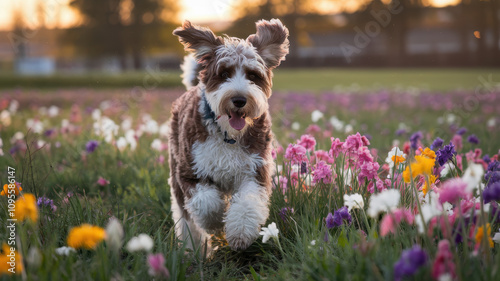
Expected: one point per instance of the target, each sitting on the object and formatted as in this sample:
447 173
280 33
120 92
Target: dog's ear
271 41
202 41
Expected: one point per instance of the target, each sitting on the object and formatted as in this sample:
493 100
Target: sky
59 14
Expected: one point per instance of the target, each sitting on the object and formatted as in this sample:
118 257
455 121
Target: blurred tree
118 28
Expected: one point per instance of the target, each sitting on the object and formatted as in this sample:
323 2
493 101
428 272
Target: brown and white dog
220 140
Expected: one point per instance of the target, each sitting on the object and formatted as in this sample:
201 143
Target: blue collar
209 114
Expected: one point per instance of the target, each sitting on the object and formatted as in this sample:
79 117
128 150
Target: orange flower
397 159
425 188
86 236
5 190
6 257
26 208
429 153
480 235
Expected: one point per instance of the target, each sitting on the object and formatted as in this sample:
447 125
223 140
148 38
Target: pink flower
156 264
102 181
444 261
452 190
296 153
368 171
322 155
354 142
307 141
457 142
161 159
391 220
313 129
336 147
274 154
322 172
282 181
380 184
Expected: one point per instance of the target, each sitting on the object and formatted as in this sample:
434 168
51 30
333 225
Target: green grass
285 79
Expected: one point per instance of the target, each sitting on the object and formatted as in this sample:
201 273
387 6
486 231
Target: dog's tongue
237 121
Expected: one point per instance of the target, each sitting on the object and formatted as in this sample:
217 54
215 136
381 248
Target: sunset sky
58 13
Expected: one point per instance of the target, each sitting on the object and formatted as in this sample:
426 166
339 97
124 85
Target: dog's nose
239 101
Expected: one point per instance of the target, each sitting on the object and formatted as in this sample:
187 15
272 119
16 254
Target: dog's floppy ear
271 41
202 41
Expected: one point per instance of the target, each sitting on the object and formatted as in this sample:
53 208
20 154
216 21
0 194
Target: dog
220 140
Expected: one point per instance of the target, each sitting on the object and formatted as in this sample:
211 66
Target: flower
437 143
445 154
285 213
473 139
393 219
316 115
336 148
114 234
354 201
91 146
409 263
461 131
17 188
322 172
271 231
473 176
157 145
422 166
354 142
26 208
415 138
339 217
65 251
142 242
496 238
307 141
121 143
85 236
395 157
453 190
295 153
46 202
102 181
480 235
427 152
6 267
443 264
492 193
425 187
156 264
384 201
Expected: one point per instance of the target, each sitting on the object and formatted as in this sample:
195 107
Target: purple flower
494 166
409 263
473 139
285 213
91 146
46 202
492 193
339 217
415 138
486 158
492 177
400 132
330 221
445 154
437 143
49 132
461 131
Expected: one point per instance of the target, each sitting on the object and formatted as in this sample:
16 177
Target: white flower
450 118
140 243
14 105
105 104
126 124
5 118
271 231
446 170
164 129
121 143
313 242
384 201
151 127
347 177
316 115
35 126
354 201
295 126
53 111
130 137
157 145
65 123
65 251
348 129
395 151
445 277
496 237
96 114
473 176
336 123
279 169
1 145
17 136
114 233
34 257
429 210
491 123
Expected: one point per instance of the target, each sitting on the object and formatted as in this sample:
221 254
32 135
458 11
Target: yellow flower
86 236
422 166
5 190
425 188
26 208
429 153
480 235
5 259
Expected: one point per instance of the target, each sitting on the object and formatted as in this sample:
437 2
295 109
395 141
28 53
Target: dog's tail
190 70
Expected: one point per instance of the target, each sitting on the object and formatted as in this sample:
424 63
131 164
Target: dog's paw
240 234
240 243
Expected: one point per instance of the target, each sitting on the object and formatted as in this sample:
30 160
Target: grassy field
85 156
285 79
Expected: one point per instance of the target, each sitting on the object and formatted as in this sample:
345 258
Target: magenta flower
354 142
452 190
307 141
391 220
102 181
322 172
444 261
368 171
336 148
156 264
322 155
296 153
457 141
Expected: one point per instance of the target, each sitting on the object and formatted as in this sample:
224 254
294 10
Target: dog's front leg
248 210
206 207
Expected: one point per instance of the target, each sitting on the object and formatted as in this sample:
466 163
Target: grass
138 192
300 80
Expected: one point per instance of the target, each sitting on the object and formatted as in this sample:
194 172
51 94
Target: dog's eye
224 75
253 76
